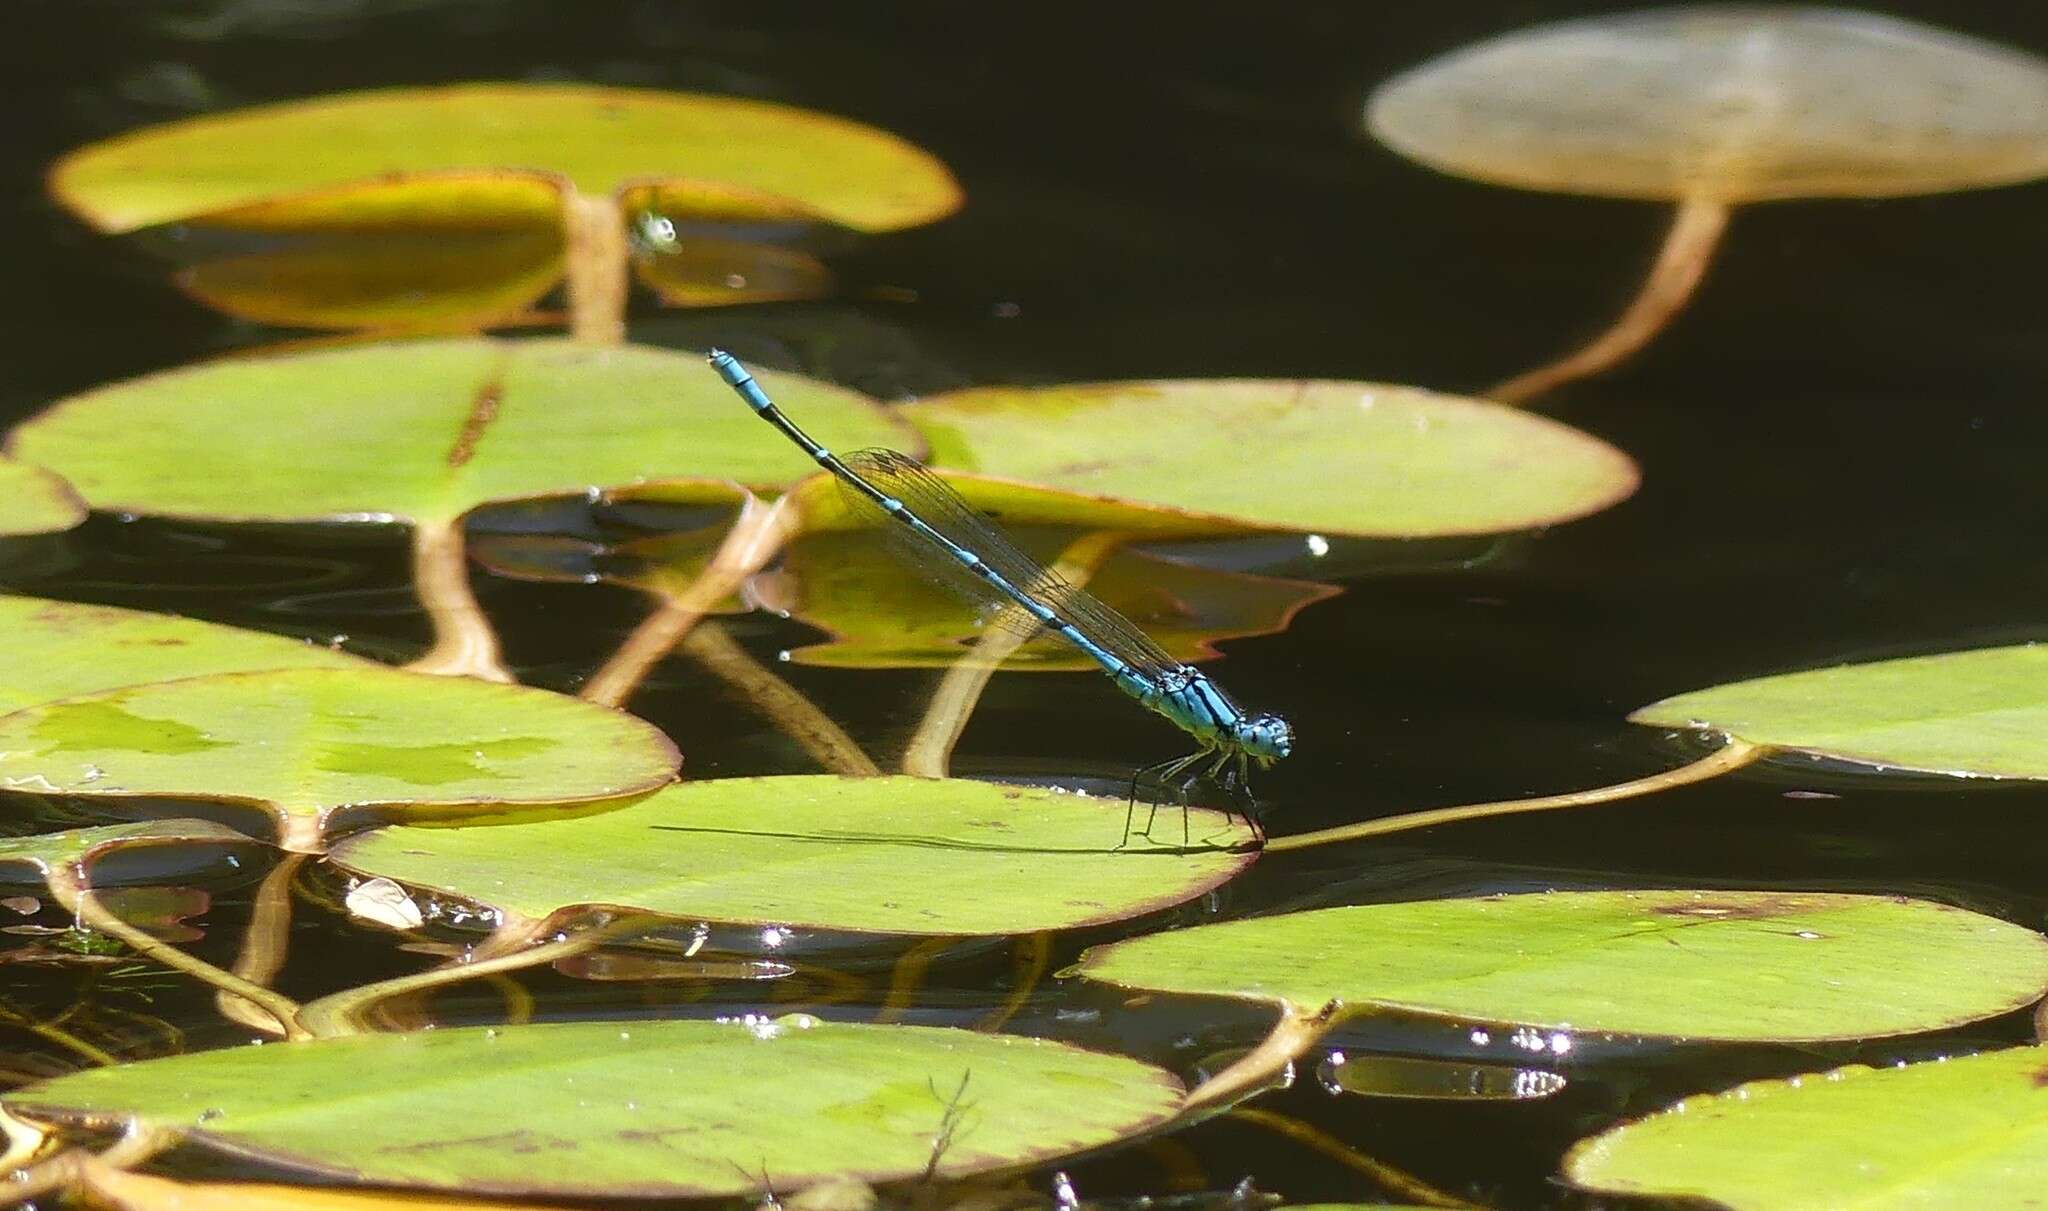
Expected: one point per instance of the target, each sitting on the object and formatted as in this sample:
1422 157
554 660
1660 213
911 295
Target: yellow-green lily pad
1970 1131
1979 713
35 501
1367 459
878 855
1721 965
598 139
434 428
641 1109
319 748
59 649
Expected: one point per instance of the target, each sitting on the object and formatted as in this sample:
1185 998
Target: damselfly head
1266 737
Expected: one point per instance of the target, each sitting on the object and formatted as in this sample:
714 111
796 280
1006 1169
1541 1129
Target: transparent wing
944 510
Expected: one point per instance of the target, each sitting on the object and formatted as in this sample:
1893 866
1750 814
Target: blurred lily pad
1961 1132
120 1190
1349 458
630 1109
1977 713
35 501
1723 965
316 747
596 139
435 428
884 855
58 649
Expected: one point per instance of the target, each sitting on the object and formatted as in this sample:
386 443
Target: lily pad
1980 713
1724 965
598 139
1364 459
435 428
121 1190
1961 1132
631 1109
30 859
314 747
885 855
59 649
35 501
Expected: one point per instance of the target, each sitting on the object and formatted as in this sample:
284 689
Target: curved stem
342 1013
1675 275
715 651
68 887
1397 1182
757 534
24 1140
907 976
1033 956
930 752
50 1032
1295 1032
596 253
1731 756
464 643
264 943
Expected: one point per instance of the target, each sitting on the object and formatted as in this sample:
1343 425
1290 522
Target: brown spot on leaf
483 409
1761 908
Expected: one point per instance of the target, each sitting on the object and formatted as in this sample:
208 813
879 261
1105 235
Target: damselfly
969 553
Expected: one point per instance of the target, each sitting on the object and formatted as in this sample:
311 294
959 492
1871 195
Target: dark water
1841 442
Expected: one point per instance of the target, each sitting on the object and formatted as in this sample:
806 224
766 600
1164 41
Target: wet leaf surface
1961 1132
1981 712
597 138
435 429
311 747
1720 965
57 649
1364 459
621 1109
885 855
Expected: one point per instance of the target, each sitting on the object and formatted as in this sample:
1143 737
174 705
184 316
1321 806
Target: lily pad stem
68 887
265 941
597 258
1674 277
930 752
1396 1182
464 643
1731 756
1295 1032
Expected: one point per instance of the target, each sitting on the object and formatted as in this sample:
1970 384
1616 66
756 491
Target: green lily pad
1981 713
30 859
631 1109
60 649
1727 965
435 428
1364 459
35 501
1961 1132
599 139
885 855
315 747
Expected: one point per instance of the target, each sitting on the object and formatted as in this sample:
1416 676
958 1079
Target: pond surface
1840 442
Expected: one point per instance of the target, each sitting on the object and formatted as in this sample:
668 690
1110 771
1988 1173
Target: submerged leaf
631 1109
316 747
884 855
1973 713
599 139
1332 457
1728 965
435 428
58 649
1960 1132
30 859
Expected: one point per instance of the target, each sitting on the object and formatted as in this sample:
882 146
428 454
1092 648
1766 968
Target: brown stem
930 752
1033 956
68 887
464 643
597 258
907 977
1295 1032
1731 756
264 943
1397 1182
1689 245
796 716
